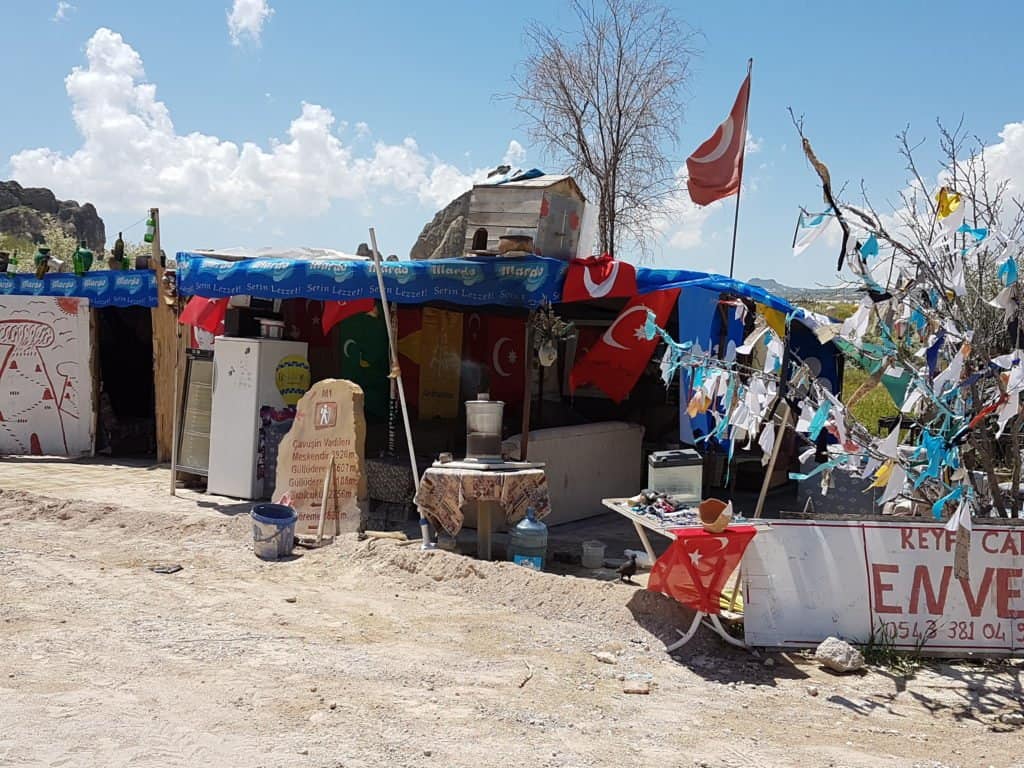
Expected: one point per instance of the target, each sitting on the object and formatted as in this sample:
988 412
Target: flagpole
739 189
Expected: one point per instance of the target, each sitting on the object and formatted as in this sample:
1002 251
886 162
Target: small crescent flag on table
716 168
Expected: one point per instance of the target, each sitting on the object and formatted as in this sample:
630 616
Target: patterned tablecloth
445 491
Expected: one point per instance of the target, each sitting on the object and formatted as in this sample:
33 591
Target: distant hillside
804 294
26 212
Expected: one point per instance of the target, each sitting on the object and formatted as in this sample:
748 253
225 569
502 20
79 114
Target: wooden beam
165 348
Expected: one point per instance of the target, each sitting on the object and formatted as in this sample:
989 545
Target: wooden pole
776 448
736 216
524 431
165 365
396 373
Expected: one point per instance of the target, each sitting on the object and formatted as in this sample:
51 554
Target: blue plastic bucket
273 531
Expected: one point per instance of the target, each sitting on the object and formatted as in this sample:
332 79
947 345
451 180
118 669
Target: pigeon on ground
627 570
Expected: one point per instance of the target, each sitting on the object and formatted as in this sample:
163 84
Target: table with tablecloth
444 493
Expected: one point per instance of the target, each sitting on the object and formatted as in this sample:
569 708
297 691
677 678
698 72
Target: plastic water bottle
528 542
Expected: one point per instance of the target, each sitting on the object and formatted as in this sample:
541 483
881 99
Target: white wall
46 398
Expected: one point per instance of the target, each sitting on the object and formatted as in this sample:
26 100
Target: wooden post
165 353
527 389
779 435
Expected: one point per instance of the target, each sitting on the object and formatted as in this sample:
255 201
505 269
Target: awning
512 282
108 288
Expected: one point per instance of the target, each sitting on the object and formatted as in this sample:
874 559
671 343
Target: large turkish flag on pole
616 361
716 168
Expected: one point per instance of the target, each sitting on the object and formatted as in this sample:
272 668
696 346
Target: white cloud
246 19
683 223
131 155
1005 159
514 155
63 9
753 145
362 130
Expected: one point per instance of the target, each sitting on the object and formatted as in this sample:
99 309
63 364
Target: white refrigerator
244 380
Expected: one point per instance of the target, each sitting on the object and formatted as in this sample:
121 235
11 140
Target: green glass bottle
82 259
42 261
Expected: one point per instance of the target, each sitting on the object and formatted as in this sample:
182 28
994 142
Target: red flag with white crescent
205 313
717 166
336 311
697 565
615 362
506 358
599 277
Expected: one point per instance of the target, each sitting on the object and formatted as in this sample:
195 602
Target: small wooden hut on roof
546 208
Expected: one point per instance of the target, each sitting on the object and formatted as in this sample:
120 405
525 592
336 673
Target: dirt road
373 654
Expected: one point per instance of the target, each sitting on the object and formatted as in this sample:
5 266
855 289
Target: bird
627 570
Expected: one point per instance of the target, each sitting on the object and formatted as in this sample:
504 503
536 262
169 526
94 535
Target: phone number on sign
963 631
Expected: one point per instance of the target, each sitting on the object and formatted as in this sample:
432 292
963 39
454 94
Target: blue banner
510 282
108 288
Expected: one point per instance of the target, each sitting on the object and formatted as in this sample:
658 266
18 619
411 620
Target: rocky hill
25 213
804 294
445 234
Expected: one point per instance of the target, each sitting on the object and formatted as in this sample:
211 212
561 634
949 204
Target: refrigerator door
243 381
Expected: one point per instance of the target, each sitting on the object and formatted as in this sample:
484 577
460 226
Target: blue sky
401 110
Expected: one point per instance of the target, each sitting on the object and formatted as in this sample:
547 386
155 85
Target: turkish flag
696 566
598 277
717 166
208 314
336 311
616 361
506 357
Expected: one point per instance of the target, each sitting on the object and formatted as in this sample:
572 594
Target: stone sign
329 423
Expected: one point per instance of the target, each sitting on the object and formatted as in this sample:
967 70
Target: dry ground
374 654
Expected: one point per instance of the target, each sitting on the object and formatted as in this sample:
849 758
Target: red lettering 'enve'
1005 593
934 604
879 589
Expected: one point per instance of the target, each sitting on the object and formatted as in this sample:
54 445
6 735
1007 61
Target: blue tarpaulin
516 282
120 288
648 280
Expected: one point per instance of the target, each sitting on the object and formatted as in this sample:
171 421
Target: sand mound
607 609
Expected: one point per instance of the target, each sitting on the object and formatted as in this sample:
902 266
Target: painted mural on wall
46 403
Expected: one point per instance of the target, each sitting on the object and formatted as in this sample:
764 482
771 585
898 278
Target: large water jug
528 542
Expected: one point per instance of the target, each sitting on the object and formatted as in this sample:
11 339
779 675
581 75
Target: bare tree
948 281
606 100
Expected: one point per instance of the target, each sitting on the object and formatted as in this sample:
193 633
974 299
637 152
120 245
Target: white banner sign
806 580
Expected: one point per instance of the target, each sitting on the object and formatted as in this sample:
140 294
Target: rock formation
25 212
445 235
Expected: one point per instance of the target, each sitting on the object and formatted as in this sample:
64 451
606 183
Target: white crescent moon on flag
603 288
344 349
496 356
609 335
723 144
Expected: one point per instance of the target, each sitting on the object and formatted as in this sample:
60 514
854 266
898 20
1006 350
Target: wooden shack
547 208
